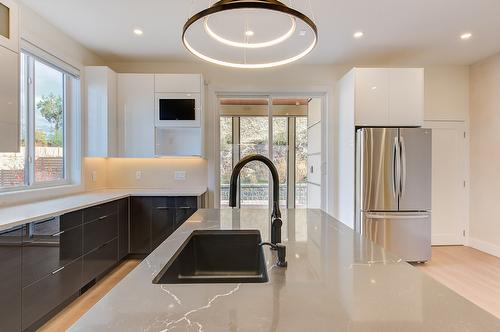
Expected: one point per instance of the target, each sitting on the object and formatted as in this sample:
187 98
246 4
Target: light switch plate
94 176
180 175
138 175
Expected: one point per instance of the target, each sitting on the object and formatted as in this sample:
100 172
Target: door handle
397 216
58 270
396 168
403 166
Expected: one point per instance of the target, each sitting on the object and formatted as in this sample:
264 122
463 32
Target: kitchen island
335 281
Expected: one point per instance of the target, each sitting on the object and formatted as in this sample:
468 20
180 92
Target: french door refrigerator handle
403 166
372 215
396 168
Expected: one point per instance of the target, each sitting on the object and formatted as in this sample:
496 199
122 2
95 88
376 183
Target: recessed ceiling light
138 32
358 34
466 36
249 33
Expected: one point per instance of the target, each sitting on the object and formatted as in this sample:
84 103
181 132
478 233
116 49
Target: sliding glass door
247 126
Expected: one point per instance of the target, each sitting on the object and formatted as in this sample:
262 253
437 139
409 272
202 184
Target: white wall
37 31
485 155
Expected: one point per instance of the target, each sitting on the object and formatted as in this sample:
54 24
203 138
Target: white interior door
449 180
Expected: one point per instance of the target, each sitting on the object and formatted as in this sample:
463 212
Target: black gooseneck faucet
276 214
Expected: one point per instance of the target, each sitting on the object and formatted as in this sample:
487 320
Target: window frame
71 95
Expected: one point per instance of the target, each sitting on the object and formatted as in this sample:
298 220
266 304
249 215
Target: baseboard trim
447 240
487 247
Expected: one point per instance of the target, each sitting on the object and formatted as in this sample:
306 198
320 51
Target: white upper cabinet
178 83
136 115
389 96
372 97
406 96
9 76
9 100
102 129
9 25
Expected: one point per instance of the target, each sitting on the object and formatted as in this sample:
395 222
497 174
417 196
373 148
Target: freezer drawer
407 235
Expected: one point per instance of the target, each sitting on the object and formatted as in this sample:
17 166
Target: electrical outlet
94 176
180 175
138 175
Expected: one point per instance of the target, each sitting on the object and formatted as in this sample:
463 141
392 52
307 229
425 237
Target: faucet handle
281 249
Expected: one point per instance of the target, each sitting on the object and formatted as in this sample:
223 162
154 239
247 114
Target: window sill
25 195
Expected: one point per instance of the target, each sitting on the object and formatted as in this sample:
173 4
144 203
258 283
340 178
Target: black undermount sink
217 256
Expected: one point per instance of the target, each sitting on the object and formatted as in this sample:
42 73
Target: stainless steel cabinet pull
102 217
58 233
184 207
162 208
58 270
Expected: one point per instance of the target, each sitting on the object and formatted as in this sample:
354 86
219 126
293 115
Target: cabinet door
49 245
184 208
45 295
140 225
9 100
162 222
123 228
136 115
178 83
372 97
9 25
406 97
100 231
10 276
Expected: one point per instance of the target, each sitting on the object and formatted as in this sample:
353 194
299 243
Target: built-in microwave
178 109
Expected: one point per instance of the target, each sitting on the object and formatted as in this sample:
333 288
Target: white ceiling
396 31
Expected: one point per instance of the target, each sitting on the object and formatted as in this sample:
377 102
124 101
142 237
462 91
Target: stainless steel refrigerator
393 189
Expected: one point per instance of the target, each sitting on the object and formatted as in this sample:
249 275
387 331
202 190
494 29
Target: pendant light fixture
250 34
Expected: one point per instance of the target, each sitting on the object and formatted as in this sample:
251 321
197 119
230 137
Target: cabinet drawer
46 294
98 261
99 231
47 246
72 219
99 211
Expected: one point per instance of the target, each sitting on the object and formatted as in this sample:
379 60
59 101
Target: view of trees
51 108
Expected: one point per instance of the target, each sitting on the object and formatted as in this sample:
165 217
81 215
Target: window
41 160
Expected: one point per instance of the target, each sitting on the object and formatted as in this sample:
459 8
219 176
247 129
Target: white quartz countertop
15 215
335 281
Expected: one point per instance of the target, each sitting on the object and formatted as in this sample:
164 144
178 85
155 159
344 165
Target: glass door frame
291 128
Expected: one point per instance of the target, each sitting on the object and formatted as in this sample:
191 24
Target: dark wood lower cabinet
153 219
140 225
10 279
45 264
41 297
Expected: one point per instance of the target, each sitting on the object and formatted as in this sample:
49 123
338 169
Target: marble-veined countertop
11 216
335 281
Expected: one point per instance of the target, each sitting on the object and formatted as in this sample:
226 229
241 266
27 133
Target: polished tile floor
469 272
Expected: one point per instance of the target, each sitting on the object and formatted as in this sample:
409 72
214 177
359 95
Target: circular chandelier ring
269 43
